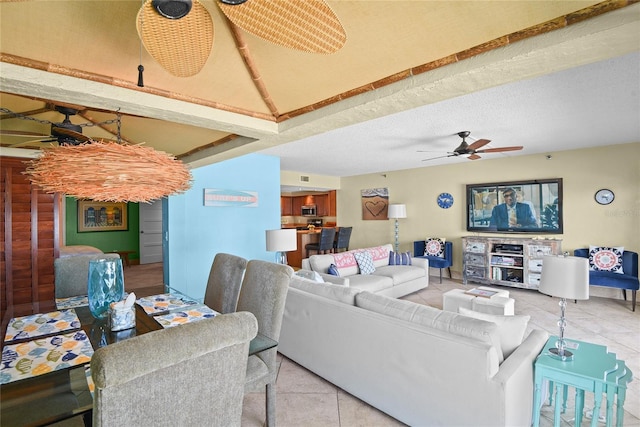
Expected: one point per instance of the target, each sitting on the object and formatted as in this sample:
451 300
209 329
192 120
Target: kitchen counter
294 258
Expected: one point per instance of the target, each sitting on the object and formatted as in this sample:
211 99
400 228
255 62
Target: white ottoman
500 303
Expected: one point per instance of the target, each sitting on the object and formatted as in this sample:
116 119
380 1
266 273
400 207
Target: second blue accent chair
628 280
435 261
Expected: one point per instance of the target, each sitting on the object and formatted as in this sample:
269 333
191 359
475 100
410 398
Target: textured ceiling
433 68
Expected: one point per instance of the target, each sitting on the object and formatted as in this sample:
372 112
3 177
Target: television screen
533 206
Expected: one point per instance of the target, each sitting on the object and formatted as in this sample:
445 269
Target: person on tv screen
511 213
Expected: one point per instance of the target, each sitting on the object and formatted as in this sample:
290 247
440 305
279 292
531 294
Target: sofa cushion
365 262
370 282
454 323
401 273
606 259
510 328
333 270
338 293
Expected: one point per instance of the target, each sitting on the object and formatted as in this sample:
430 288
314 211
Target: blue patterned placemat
35 325
164 302
44 355
180 317
71 302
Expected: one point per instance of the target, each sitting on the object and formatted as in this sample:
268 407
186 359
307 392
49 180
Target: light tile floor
304 399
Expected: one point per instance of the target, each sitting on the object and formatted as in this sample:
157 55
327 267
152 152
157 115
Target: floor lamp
282 241
397 211
565 277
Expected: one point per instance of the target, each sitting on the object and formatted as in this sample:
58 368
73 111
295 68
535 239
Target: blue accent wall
197 232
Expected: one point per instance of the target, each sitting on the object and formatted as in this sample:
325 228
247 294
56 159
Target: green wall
106 241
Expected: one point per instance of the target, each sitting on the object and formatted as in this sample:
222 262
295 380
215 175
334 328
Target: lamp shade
282 240
397 211
565 277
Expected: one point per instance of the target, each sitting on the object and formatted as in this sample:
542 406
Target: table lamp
565 277
281 241
397 211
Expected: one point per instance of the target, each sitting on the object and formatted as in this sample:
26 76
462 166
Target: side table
125 256
592 369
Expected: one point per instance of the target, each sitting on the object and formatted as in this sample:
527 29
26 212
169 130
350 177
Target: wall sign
227 198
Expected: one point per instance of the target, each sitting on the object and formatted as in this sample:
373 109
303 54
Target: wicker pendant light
106 171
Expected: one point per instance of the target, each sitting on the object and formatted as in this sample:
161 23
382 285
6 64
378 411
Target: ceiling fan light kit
172 9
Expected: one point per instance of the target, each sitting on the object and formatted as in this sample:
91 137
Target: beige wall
583 173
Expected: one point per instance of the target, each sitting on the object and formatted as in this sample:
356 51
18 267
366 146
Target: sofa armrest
421 262
336 280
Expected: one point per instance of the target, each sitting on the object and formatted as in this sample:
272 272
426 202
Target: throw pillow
333 270
311 275
365 262
397 258
434 246
511 329
606 259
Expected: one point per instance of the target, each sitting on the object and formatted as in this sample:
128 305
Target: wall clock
445 200
604 196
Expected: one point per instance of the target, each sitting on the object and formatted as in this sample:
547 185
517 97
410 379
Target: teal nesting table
592 369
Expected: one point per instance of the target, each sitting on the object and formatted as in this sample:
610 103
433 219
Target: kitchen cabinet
515 262
286 206
322 205
297 203
331 197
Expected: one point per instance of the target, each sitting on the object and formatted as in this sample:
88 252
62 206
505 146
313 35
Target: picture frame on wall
102 216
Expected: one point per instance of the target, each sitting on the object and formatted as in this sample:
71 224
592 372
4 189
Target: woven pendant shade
109 172
181 46
306 25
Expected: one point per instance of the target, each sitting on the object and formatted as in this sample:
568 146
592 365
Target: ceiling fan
178 34
63 132
472 150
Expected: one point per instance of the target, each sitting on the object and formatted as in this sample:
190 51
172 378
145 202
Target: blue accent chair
435 261
628 280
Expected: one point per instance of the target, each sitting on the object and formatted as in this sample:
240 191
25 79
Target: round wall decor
445 200
604 196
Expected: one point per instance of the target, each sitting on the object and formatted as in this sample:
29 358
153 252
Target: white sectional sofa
391 280
421 365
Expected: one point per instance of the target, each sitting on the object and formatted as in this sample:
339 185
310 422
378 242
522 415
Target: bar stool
343 236
327 235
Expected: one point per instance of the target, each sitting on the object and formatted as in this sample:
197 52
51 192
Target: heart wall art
375 202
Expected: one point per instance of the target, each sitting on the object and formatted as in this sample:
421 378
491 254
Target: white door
151 232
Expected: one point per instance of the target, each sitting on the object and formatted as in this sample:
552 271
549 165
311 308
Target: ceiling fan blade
473 157
479 143
22 134
67 132
500 149
439 157
309 26
38 143
181 46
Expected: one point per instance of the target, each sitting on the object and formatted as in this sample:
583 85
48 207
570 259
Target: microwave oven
309 210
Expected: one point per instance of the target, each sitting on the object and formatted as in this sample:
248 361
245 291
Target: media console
514 262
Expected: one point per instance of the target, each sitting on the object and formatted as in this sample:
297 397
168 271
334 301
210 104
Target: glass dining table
31 398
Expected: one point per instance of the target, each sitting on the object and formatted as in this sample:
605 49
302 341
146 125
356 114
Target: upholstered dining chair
343 235
263 293
225 280
325 243
71 274
192 374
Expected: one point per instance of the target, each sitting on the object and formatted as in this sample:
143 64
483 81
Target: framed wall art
102 216
375 203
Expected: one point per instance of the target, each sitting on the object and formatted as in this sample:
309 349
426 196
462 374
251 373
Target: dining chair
71 274
325 242
192 374
263 293
343 235
225 280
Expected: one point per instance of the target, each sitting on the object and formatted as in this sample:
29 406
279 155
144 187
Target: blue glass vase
105 285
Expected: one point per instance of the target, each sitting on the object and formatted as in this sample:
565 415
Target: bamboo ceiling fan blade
501 149
306 25
181 46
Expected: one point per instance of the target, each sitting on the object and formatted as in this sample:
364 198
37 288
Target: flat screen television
533 206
